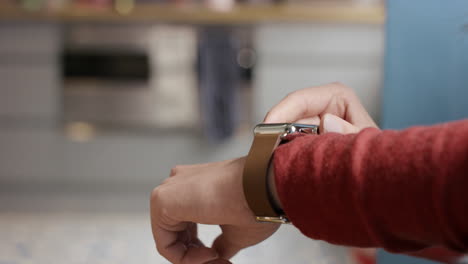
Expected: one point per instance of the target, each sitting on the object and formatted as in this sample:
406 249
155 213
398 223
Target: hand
208 194
334 107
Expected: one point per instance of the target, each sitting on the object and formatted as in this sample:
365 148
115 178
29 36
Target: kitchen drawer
44 156
29 38
30 91
308 39
29 156
128 160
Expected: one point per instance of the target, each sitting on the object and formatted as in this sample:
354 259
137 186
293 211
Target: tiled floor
70 235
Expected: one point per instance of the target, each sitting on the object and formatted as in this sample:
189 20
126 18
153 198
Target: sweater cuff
278 170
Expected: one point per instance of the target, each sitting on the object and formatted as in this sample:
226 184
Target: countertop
85 228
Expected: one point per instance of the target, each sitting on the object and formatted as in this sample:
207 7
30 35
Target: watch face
285 128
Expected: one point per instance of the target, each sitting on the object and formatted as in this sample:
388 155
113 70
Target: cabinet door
29 157
274 83
292 57
29 91
29 70
29 38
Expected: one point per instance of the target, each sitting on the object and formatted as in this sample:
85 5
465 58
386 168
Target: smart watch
266 138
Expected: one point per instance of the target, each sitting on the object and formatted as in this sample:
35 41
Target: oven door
130 76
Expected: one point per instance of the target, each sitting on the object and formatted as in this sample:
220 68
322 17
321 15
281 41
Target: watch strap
255 175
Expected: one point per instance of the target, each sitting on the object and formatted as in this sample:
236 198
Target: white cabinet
29 70
296 56
29 157
29 103
29 91
291 57
29 38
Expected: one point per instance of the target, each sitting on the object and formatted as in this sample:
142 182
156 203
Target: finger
193 235
181 247
332 98
302 103
197 252
219 261
168 245
332 123
197 255
194 240
174 238
224 246
310 121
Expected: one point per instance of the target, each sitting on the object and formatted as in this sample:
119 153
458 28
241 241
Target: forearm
400 190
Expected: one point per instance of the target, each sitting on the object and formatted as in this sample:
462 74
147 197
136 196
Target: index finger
333 98
308 102
176 240
167 242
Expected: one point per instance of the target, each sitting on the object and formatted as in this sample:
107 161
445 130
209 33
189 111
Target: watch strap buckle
273 219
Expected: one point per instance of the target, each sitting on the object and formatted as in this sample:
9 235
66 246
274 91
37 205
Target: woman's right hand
335 107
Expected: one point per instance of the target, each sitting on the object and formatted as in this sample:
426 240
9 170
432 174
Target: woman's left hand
208 193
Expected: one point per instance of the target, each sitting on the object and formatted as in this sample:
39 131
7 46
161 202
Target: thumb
219 261
224 246
332 123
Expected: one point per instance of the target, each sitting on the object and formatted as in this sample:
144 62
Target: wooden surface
344 12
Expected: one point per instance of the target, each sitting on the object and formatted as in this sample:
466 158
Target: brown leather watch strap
255 174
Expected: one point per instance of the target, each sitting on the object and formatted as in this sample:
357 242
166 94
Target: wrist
258 176
271 183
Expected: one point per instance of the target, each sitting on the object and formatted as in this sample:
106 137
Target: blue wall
426 64
426 69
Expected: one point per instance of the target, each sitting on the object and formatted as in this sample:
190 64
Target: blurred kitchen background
99 99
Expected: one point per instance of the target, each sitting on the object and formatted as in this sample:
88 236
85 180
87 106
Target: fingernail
193 245
214 254
332 123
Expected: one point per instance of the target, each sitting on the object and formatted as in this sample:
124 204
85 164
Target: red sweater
400 190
